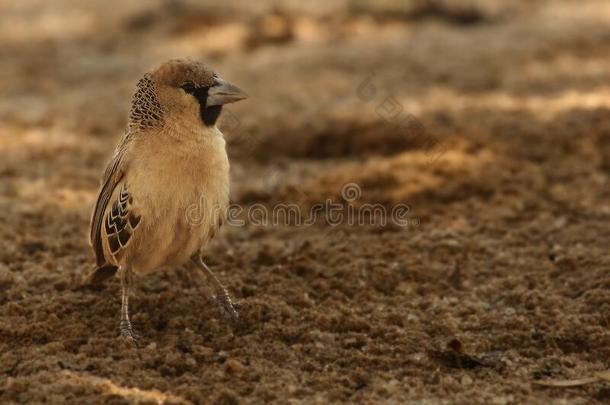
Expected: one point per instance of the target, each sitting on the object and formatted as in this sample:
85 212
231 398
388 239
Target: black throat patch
209 115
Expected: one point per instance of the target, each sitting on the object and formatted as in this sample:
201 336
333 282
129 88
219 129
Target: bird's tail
101 274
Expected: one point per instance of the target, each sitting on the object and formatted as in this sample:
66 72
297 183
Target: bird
171 158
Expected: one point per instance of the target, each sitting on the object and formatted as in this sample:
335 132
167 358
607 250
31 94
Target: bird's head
186 90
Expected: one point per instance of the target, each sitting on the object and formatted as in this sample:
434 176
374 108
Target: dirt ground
490 119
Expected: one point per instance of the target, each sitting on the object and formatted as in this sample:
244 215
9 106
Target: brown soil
501 278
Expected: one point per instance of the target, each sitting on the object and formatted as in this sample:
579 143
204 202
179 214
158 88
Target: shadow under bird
170 159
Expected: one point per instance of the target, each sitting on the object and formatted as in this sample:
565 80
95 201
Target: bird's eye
188 87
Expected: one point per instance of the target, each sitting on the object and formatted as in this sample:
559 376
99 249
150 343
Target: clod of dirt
233 366
455 357
276 28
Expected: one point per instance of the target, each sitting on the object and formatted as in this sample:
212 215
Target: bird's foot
128 333
224 302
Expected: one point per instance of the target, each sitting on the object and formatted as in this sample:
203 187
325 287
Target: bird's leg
221 294
125 324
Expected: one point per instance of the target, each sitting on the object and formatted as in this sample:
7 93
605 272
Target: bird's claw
128 333
226 306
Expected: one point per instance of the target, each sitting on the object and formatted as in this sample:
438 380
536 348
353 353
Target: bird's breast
182 194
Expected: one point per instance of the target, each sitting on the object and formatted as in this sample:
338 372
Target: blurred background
489 119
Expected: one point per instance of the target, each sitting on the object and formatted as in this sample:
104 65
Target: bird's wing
146 114
112 176
120 222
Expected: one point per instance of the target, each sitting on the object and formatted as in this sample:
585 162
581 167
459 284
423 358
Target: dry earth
490 119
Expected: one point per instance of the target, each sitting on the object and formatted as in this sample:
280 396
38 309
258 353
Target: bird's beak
223 92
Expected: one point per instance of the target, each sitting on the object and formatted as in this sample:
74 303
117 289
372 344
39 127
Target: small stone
503 400
233 366
191 362
202 351
467 380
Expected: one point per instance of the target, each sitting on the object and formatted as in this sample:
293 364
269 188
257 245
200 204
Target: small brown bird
172 158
